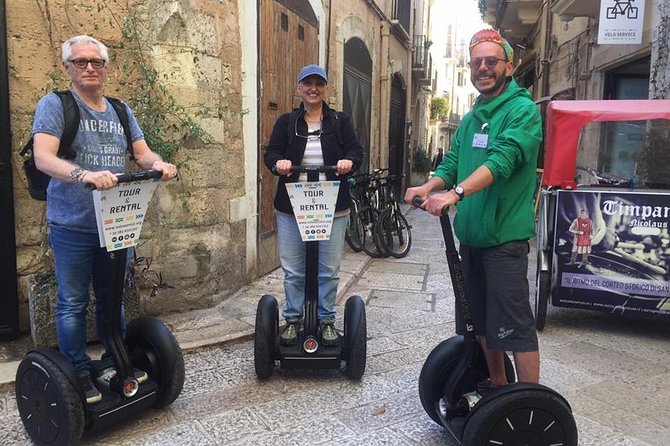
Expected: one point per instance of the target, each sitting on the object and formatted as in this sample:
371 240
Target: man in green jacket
490 175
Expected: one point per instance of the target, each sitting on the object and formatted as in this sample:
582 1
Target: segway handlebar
305 169
127 177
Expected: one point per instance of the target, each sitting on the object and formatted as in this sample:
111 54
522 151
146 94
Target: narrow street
613 371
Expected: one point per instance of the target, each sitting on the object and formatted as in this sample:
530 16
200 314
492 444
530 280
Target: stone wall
195 46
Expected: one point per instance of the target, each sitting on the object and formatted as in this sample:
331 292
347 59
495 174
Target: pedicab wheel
355 337
542 289
50 406
526 416
265 336
437 368
153 348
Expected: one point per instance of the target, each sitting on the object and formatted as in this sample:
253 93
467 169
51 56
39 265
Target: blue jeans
292 257
78 260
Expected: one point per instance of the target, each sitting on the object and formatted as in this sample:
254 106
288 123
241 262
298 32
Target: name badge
480 140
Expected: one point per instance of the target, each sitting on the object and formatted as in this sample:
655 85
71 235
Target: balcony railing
422 63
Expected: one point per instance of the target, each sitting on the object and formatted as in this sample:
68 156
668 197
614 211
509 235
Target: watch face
459 190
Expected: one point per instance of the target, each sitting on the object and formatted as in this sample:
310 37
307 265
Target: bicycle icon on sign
622 7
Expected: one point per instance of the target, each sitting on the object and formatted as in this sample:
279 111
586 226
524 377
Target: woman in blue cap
313 134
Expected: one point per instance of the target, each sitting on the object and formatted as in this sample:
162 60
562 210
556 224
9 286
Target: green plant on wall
422 162
439 107
481 4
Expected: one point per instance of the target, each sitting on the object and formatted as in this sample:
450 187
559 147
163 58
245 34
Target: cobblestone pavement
615 372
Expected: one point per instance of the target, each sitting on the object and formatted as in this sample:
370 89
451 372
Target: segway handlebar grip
132 176
418 202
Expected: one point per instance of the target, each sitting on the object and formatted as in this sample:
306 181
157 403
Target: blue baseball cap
312 70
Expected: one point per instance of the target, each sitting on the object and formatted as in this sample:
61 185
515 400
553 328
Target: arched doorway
397 129
358 92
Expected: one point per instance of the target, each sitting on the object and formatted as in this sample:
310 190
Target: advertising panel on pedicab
120 212
314 207
612 251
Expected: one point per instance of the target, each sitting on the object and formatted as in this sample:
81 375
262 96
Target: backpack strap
122 113
71 119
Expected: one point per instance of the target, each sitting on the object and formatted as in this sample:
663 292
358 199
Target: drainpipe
547 48
9 316
385 96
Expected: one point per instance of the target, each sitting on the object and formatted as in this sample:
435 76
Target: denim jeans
292 257
78 260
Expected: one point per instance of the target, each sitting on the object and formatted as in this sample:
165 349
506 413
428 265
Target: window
301 33
284 22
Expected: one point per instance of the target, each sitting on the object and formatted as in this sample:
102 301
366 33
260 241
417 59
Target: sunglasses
311 136
83 63
490 62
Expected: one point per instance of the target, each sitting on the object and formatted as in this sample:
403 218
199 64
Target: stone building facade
204 236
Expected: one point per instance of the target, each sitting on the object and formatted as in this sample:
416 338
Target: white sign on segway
314 207
120 212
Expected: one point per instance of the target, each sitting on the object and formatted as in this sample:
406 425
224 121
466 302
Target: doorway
396 149
289 39
358 93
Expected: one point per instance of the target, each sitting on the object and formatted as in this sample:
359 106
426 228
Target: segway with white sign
49 395
515 414
313 204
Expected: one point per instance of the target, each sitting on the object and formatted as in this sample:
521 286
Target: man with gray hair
100 146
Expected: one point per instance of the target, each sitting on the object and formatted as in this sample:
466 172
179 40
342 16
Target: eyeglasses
311 136
490 62
83 63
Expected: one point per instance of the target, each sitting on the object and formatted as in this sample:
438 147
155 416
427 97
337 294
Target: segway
519 414
50 397
308 352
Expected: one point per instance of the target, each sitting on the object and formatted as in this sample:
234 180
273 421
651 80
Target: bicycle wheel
365 223
392 233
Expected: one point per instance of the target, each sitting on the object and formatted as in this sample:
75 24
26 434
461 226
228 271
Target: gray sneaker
329 336
93 395
290 334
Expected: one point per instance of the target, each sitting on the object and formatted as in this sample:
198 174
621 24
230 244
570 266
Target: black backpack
38 180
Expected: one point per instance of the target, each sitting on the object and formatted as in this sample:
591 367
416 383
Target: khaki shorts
496 283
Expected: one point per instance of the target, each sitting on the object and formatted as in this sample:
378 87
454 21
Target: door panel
289 40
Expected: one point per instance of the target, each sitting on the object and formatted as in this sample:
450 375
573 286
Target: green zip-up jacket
504 210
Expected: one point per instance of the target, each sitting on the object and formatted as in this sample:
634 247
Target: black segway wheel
542 288
51 407
524 416
436 370
355 337
154 349
265 336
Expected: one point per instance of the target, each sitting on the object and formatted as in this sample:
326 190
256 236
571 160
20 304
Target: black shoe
290 334
93 395
107 375
329 336
486 387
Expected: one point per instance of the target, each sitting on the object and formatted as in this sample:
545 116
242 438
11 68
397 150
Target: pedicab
602 238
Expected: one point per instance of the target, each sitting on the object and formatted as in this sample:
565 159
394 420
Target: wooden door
289 40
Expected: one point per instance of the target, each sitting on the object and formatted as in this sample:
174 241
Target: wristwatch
458 190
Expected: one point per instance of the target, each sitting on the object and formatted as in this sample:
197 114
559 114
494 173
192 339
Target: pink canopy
565 120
